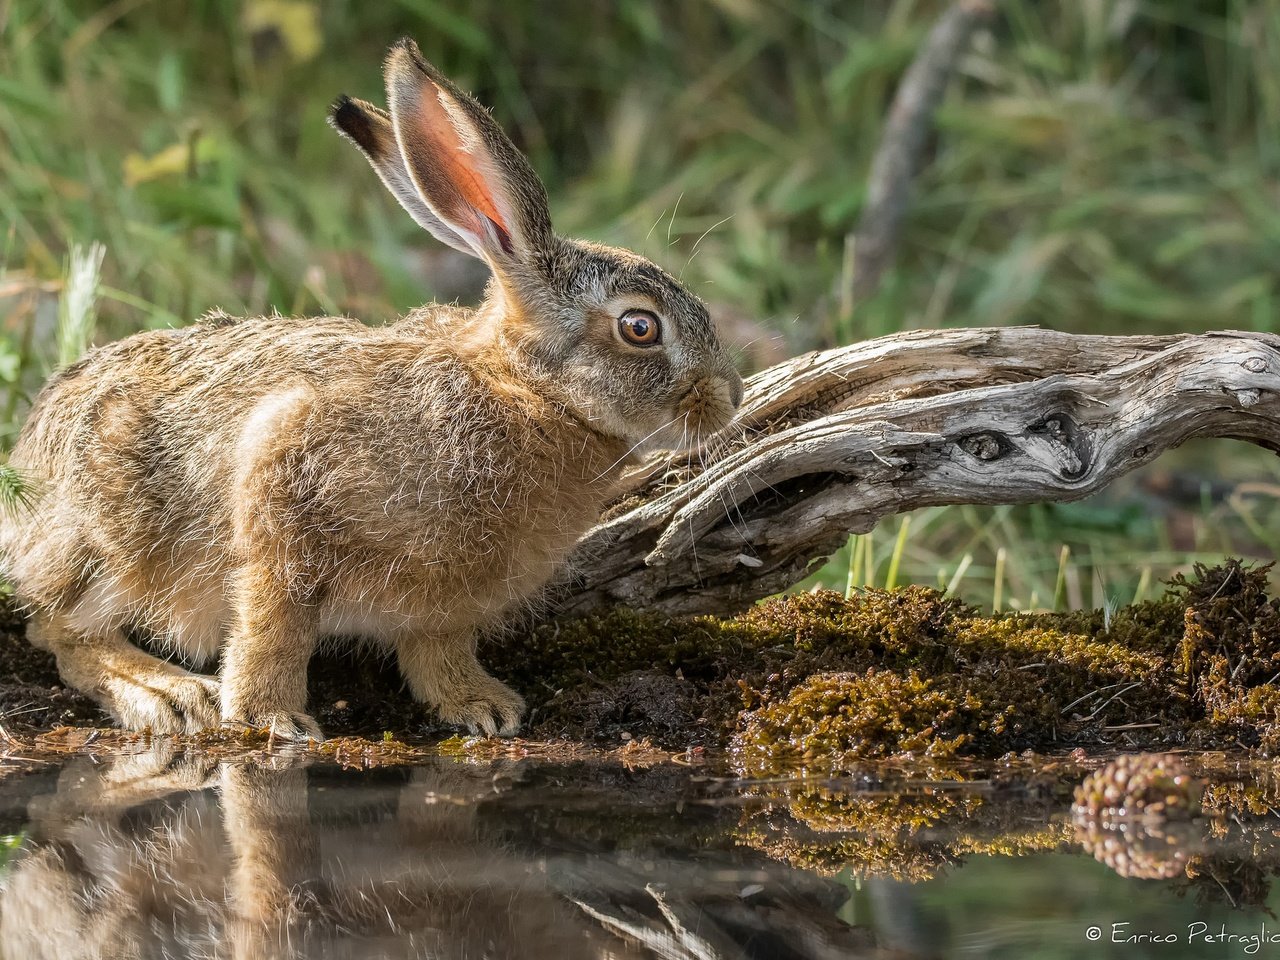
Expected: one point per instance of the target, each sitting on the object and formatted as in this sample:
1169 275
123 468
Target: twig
897 158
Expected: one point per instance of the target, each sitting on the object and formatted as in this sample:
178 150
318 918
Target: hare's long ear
369 128
467 172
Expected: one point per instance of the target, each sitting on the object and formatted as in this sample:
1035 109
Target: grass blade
891 579
1060 585
77 318
958 576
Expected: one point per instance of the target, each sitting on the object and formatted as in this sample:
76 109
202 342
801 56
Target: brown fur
247 487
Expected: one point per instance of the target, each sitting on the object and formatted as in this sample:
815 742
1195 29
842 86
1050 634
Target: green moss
1251 716
824 681
1057 681
606 646
1021 639
842 718
907 623
1154 626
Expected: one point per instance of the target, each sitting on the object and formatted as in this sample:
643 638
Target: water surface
166 853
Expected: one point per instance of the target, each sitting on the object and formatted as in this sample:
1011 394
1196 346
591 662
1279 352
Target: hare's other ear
369 128
465 169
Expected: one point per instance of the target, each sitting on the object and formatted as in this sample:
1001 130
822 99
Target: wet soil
820 683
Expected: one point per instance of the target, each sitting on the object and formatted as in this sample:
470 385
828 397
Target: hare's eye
640 327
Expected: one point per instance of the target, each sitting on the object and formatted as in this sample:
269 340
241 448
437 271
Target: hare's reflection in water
165 855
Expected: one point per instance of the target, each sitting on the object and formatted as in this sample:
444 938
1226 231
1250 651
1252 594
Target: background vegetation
1105 166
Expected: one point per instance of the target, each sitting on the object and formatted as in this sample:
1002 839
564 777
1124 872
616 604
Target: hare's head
633 351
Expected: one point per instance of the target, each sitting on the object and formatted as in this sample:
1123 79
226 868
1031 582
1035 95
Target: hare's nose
735 388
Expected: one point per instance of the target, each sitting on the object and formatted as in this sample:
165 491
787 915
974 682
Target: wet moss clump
843 718
824 681
1231 630
1146 851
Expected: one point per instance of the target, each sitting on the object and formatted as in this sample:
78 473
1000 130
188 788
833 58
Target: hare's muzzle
710 403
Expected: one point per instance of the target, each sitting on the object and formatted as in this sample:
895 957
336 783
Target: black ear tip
350 119
343 113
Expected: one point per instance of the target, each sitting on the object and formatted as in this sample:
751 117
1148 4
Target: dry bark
828 443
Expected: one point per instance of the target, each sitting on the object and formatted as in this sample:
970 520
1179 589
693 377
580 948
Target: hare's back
175 385
128 450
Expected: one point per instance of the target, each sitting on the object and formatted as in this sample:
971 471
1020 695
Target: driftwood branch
829 443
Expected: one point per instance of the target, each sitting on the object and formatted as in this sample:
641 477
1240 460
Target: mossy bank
820 682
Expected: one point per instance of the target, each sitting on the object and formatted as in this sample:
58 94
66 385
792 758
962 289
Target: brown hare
244 487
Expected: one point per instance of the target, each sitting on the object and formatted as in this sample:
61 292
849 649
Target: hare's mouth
706 408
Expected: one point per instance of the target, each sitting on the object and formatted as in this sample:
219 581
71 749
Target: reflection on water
175 855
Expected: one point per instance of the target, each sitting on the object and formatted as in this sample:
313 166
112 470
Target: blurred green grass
1102 166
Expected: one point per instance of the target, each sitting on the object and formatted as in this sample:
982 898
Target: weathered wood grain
828 443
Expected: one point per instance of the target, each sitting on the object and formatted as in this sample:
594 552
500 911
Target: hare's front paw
166 701
484 705
281 724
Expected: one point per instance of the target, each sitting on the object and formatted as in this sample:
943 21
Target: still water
176 855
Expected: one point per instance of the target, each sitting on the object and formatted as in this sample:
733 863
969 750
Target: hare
241 488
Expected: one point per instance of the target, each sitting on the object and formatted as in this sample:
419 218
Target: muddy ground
818 682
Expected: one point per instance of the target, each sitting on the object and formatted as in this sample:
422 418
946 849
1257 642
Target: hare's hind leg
444 673
141 691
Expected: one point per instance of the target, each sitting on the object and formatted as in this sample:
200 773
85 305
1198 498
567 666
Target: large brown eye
640 327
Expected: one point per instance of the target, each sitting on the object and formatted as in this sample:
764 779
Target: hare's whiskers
694 252
707 231
635 446
661 216
720 442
